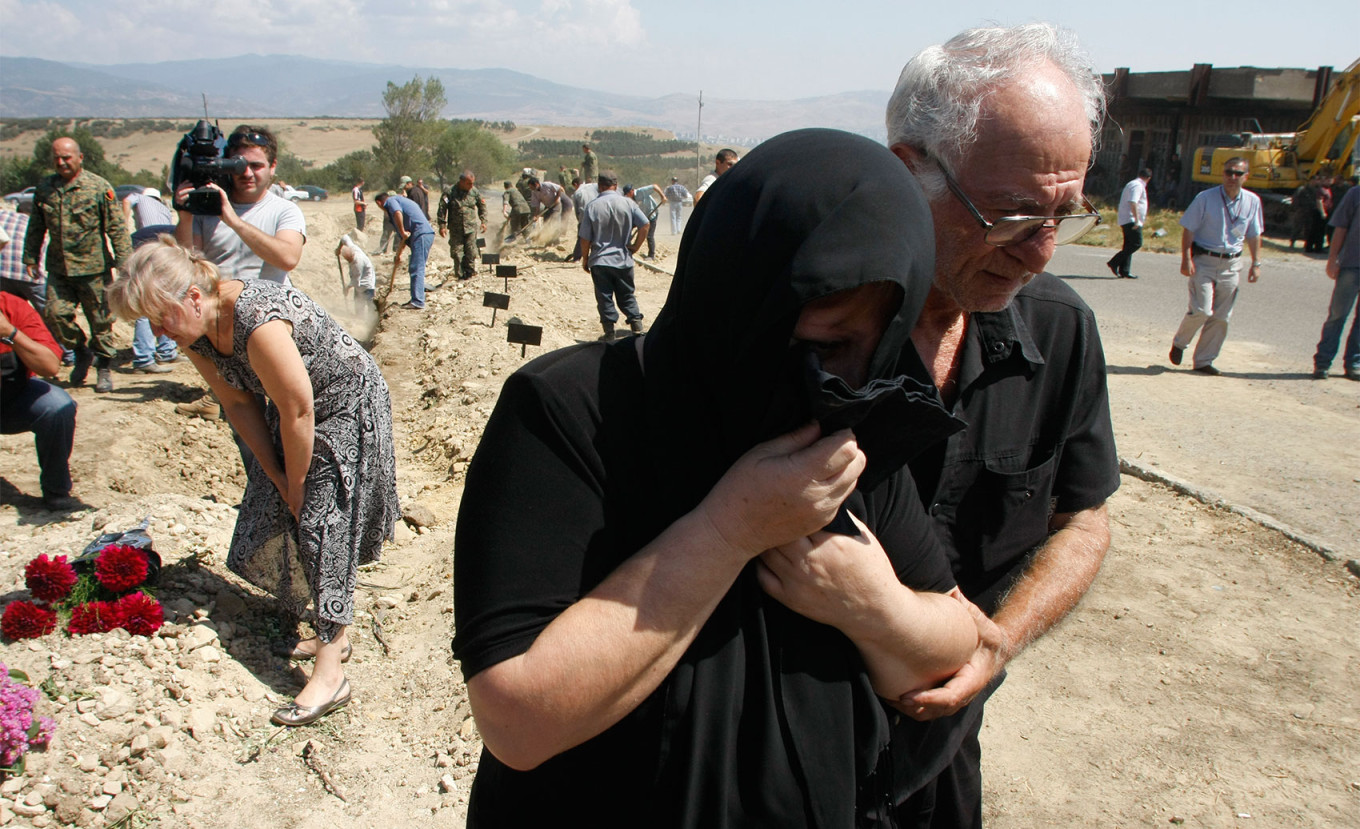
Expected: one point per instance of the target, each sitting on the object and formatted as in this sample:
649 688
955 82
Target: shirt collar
993 336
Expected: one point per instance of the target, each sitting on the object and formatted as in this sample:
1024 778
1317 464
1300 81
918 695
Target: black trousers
953 800
1133 240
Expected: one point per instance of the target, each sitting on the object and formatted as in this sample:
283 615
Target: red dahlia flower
49 579
94 617
25 620
120 568
140 614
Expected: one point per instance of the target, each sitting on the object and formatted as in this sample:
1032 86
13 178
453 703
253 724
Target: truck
1279 163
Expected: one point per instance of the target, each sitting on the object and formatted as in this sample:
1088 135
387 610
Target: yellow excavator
1280 162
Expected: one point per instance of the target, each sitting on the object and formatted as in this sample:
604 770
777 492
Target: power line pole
699 142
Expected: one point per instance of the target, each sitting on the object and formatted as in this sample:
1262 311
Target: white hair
940 93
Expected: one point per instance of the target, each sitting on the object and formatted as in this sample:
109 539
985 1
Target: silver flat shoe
294 715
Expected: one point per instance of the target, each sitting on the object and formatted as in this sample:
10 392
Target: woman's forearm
923 638
606 653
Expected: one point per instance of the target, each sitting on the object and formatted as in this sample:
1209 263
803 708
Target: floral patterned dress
350 505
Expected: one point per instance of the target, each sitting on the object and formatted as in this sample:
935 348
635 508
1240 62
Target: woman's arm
602 656
908 639
275 360
246 417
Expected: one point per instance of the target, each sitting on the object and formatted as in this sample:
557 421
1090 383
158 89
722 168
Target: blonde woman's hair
157 276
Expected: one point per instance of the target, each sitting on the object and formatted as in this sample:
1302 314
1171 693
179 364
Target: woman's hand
784 489
835 579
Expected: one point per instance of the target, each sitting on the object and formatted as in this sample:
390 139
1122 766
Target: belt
1198 250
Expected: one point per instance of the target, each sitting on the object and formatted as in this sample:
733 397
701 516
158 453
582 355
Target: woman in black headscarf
654 628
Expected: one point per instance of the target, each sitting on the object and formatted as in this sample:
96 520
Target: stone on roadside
121 806
418 515
447 784
196 636
200 723
113 704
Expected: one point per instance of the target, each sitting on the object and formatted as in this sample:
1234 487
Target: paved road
1264 435
1283 311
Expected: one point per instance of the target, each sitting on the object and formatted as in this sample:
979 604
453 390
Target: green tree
406 137
466 145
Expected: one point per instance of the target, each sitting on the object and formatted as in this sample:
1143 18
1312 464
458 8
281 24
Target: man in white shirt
722 162
258 235
1133 205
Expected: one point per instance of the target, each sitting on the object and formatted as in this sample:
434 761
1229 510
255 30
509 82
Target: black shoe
1176 354
62 503
409 307
81 369
1353 374
103 383
1208 369
608 331
1319 374
1113 269
1128 276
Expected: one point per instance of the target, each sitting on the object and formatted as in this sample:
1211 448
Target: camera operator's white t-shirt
230 253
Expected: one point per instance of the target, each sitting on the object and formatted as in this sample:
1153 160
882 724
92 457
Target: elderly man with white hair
998 124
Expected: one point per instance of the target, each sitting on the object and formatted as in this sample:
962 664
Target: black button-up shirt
1038 438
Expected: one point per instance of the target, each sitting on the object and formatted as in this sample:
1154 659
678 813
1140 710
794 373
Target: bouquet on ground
19 729
106 587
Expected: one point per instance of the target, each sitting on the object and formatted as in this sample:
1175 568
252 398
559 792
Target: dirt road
1209 675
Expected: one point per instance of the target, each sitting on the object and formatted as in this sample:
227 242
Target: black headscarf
770 718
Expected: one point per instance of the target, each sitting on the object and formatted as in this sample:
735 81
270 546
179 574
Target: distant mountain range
283 86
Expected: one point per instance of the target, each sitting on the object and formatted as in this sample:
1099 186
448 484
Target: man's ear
913 157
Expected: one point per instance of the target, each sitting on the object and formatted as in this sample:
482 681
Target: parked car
22 200
293 194
314 192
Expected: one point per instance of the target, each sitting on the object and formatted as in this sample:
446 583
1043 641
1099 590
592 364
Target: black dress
769 719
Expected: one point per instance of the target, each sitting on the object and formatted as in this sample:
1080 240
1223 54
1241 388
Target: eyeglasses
1012 230
253 139
1235 173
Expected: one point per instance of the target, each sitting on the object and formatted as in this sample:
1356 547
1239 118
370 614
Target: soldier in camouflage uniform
515 208
590 165
462 207
89 238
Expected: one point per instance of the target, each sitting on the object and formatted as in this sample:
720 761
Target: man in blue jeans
417 234
30 404
607 247
1343 265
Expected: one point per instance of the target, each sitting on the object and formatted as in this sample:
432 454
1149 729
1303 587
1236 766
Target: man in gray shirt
612 230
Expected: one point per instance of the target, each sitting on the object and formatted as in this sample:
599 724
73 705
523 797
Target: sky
738 49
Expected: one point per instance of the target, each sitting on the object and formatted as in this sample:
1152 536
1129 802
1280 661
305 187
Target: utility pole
699 142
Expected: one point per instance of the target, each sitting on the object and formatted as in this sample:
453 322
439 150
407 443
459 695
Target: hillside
280 86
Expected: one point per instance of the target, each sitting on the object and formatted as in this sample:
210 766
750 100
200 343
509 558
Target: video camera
200 159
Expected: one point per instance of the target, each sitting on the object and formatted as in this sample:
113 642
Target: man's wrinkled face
67 158
1030 158
250 186
465 184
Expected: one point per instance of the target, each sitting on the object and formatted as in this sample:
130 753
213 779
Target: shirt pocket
1009 512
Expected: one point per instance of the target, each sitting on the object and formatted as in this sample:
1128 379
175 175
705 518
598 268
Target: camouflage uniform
590 167
564 178
466 212
83 218
519 211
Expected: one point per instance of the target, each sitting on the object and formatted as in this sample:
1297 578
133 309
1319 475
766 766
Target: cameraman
259 235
